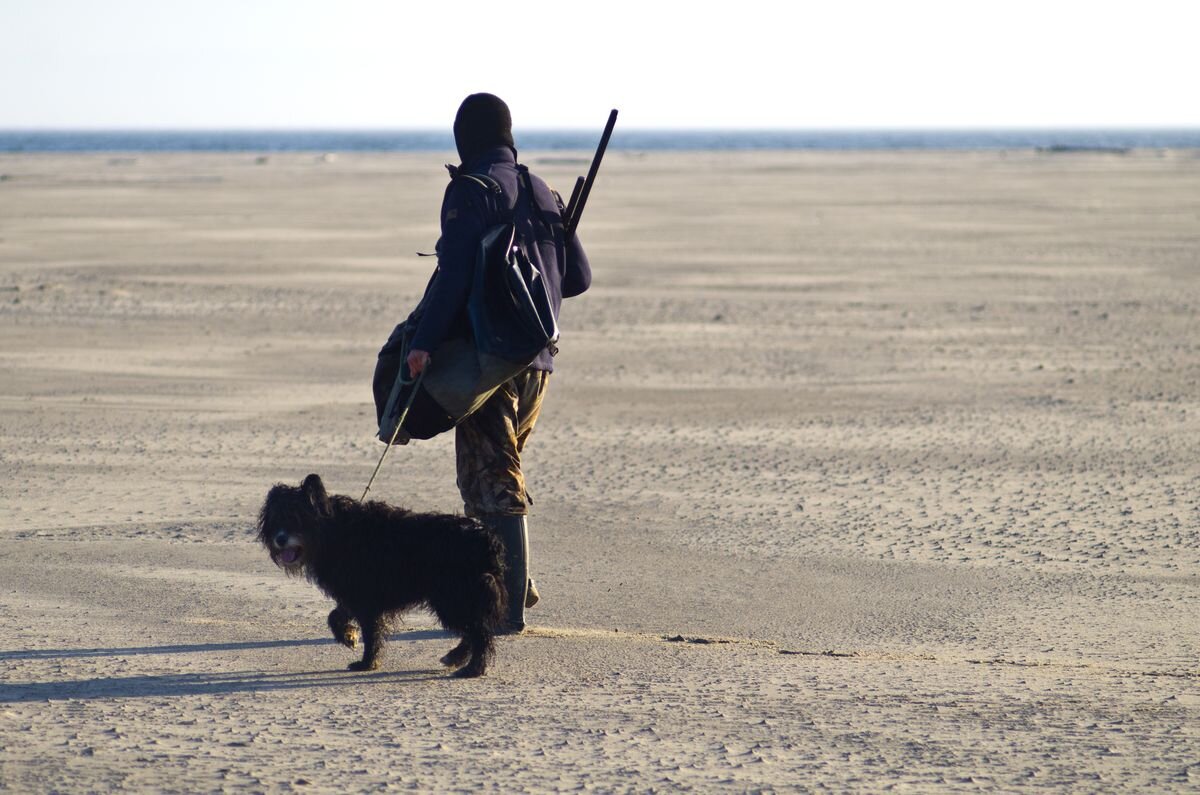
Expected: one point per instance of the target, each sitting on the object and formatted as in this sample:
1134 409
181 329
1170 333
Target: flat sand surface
858 472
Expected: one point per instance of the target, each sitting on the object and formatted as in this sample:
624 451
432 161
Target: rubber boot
514 533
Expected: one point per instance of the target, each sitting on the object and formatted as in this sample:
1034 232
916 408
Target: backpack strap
493 189
523 175
483 181
493 192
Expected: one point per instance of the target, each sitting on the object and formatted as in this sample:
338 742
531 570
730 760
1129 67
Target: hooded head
483 122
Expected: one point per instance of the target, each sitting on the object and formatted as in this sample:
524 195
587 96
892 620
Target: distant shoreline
1113 141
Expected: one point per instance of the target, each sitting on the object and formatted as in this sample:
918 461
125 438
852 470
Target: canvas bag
511 318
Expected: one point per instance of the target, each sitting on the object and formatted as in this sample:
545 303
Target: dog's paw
363 665
344 631
467 673
349 637
456 658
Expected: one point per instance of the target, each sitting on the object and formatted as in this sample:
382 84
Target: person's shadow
190 684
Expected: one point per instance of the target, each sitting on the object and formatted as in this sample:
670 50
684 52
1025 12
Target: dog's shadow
191 684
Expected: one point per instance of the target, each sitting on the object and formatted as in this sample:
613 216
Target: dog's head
289 524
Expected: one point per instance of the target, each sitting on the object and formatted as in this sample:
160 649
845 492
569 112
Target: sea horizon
715 139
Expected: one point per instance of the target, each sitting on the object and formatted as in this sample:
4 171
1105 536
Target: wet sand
858 471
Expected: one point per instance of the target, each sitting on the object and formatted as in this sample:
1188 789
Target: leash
416 382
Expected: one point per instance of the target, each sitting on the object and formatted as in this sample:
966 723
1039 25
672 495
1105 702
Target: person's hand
418 360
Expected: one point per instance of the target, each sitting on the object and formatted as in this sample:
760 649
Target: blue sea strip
569 140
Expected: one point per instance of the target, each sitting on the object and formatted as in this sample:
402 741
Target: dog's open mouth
289 556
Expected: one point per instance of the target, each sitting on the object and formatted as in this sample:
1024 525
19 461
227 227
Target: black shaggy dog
376 560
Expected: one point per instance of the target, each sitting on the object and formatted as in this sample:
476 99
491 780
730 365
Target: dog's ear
273 497
314 489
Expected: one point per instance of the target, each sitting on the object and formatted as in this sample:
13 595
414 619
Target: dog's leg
480 642
344 631
373 631
457 657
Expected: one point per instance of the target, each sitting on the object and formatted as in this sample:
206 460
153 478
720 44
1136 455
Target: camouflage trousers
488 447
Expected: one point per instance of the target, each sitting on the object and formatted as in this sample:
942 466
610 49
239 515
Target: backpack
511 318
508 306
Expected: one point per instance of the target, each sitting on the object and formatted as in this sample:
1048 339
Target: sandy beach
858 472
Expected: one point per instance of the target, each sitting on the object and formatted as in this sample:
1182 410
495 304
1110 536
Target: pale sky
742 64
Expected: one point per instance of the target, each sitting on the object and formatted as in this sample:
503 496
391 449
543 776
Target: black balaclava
483 122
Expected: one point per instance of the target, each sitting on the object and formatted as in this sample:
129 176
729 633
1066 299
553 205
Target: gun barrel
573 219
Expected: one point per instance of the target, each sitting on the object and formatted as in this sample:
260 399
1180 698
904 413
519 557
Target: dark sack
512 322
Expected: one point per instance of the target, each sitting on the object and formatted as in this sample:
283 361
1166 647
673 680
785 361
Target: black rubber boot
513 532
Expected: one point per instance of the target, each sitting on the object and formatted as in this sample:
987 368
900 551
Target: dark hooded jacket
465 217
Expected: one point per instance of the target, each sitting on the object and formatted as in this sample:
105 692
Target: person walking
489 442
